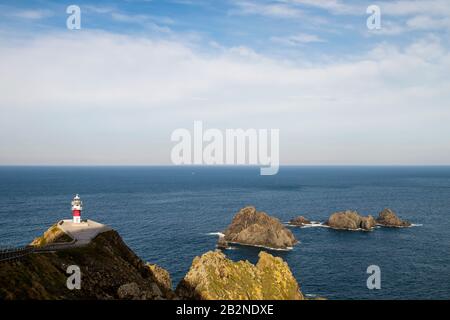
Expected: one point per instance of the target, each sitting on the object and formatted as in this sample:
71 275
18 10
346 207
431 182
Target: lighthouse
77 207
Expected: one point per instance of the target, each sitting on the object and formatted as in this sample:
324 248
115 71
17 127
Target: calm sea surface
166 215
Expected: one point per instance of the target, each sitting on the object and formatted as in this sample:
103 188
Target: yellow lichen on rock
276 271
215 277
161 277
53 235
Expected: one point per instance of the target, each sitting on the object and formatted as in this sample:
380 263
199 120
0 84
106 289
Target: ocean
168 215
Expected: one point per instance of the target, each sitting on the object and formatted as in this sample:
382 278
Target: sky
112 92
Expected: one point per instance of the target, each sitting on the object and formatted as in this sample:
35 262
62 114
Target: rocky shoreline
111 270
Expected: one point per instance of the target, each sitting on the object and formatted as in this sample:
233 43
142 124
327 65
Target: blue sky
324 27
137 70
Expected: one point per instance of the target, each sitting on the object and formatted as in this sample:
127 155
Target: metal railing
9 253
16 253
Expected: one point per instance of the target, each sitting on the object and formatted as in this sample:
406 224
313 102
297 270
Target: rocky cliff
251 227
350 220
213 276
109 270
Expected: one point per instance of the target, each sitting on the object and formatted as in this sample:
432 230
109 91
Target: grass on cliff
53 235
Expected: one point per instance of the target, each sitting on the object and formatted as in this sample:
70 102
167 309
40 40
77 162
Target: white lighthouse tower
77 207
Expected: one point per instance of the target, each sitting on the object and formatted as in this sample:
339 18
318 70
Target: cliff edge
109 270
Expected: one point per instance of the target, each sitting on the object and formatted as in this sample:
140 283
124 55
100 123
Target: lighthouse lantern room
77 207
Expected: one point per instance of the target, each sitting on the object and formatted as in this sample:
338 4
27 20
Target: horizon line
223 165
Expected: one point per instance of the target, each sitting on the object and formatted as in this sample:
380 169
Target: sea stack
213 276
388 218
255 228
350 220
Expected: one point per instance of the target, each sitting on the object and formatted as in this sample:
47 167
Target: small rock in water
350 220
388 218
299 221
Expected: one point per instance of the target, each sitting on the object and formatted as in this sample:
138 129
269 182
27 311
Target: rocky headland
256 228
388 218
350 220
111 270
214 276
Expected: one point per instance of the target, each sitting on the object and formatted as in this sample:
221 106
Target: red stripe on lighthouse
76 213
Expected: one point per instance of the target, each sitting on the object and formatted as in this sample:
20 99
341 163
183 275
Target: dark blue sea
166 215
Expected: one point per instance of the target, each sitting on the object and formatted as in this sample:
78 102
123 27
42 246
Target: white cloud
333 6
398 17
297 39
391 7
416 7
417 15
428 23
140 19
389 28
278 10
31 14
105 98
99 9
413 16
